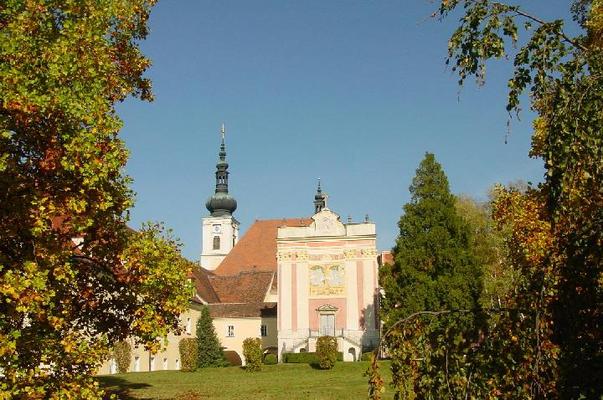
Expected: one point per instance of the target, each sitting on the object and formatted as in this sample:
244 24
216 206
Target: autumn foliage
252 351
73 279
544 339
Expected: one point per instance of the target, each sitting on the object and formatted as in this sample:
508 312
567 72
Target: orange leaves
531 233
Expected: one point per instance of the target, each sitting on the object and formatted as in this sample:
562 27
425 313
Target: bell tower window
216 242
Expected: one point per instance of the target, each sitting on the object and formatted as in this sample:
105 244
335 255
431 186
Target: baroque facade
327 275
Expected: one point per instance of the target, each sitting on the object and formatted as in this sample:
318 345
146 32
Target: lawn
283 381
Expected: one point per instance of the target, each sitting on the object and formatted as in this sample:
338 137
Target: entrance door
327 324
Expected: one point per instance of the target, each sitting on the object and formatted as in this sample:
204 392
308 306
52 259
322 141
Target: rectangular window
264 330
230 332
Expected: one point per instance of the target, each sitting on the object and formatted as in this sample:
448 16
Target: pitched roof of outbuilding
203 287
246 287
256 251
241 310
386 257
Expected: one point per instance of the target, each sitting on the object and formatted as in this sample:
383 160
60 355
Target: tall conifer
434 270
434 266
209 349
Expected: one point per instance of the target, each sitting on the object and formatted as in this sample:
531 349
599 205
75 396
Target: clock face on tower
217 229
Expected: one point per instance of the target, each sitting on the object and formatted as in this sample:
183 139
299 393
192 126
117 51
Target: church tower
320 199
220 229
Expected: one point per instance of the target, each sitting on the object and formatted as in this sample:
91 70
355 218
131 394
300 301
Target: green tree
209 349
434 271
564 77
73 278
488 244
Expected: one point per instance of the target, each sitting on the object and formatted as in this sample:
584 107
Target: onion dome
221 203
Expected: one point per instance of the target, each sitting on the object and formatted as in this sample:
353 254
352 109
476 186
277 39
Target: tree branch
524 14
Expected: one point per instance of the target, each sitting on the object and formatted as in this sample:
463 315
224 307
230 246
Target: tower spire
221 203
320 199
222 153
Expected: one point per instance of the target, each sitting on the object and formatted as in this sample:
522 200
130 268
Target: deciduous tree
73 278
487 243
564 77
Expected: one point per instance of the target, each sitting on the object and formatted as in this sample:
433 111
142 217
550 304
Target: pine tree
434 266
209 349
434 270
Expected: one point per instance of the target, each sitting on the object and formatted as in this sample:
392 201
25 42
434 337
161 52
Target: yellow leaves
68 344
539 137
594 24
526 215
56 322
76 205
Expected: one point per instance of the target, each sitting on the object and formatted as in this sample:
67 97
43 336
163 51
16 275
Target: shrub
300 358
188 354
270 359
305 358
366 356
326 350
252 351
122 353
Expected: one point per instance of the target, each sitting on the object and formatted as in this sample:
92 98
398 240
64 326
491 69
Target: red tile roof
200 277
246 287
256 251
243 310
386 257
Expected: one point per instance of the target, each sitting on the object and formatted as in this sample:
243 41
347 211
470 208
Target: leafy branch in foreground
564 76
555 237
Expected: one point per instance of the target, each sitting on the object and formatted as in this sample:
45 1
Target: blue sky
353 92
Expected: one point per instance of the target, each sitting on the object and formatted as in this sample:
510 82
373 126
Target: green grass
282 381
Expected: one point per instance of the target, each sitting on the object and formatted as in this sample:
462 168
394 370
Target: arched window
216 242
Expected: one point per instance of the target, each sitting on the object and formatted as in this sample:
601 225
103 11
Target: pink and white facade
327 285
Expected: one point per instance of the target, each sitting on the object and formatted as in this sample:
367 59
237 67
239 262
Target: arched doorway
352 353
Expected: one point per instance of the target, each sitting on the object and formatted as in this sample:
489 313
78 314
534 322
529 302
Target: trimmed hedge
252 351
270 359
326 349
188 354
305 358
122 353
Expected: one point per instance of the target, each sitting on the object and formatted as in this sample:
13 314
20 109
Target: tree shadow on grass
316 365
120 387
